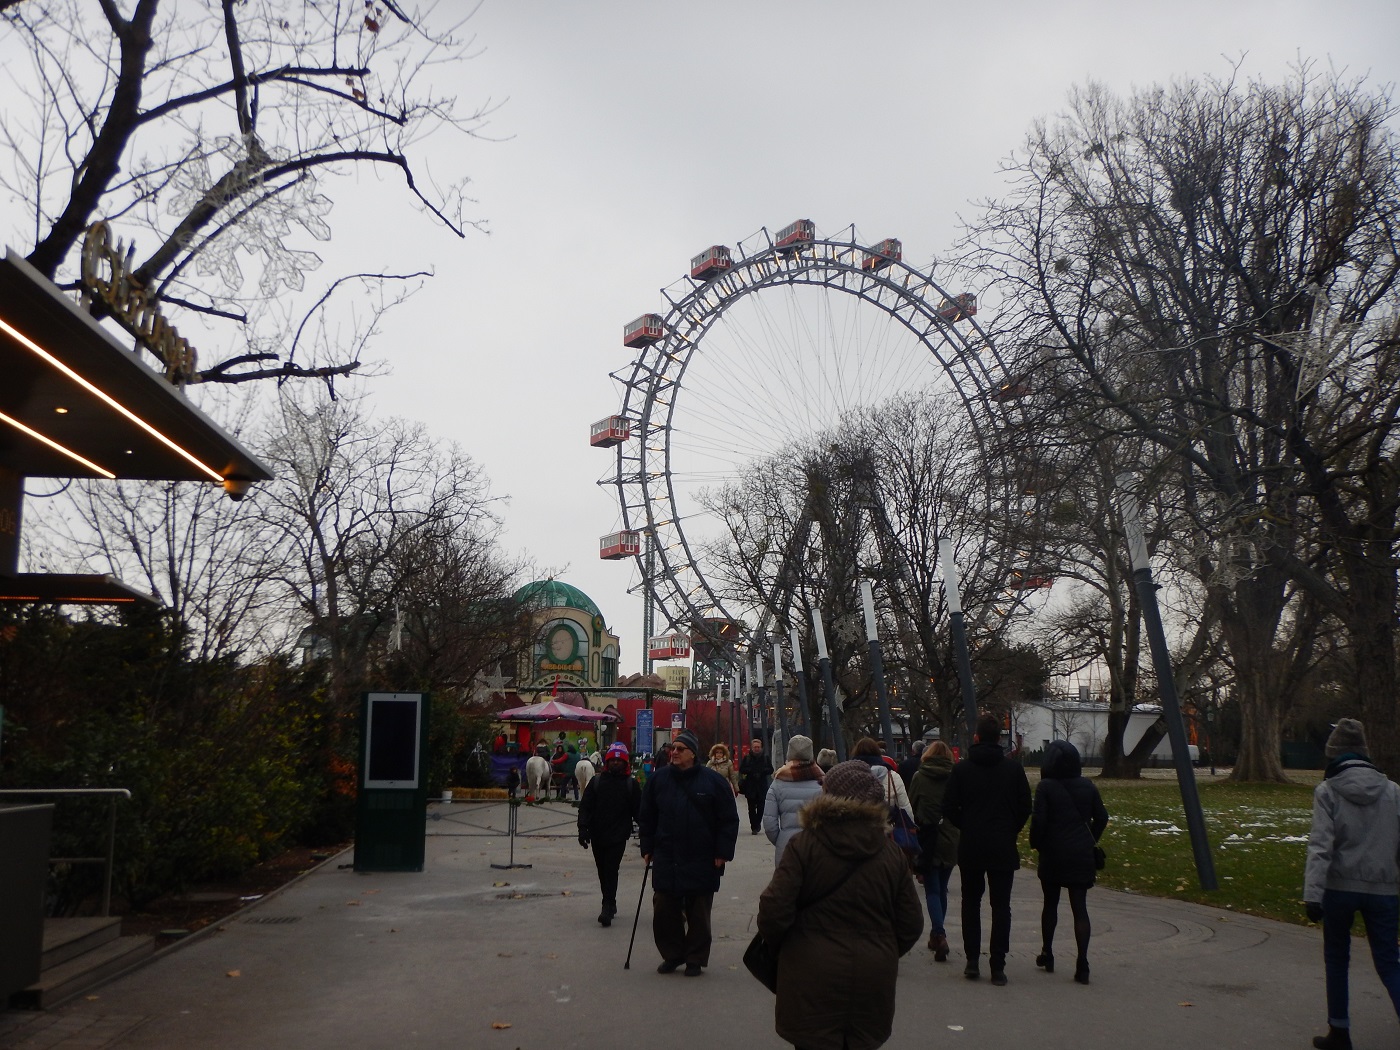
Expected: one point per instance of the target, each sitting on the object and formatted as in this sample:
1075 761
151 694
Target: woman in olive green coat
938 838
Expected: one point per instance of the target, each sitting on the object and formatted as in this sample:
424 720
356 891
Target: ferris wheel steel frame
653 385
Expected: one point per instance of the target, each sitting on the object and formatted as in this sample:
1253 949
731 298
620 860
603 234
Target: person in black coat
610 803
1068 818
690 826
754 771
989 801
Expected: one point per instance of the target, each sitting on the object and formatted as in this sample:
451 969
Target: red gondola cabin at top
795 235
958 308
644 331
887 251
710 263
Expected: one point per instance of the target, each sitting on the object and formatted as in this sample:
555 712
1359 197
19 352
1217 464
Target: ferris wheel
762 347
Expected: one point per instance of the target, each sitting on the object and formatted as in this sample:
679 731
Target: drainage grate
274 920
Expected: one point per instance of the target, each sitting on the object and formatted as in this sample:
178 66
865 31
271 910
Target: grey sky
640 133
635 133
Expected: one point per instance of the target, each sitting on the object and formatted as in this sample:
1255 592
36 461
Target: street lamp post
877 663
833 716
1166 685
959 631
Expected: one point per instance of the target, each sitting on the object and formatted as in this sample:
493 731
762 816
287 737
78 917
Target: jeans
1381 915
936 881
974 882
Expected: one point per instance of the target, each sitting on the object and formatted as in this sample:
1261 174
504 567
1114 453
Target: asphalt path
465 954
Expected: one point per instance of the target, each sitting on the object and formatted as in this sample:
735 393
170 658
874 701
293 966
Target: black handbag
761 958
1100 858
762 961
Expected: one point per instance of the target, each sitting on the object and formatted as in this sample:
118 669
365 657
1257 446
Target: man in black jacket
754 771
610 804
689 825
989 801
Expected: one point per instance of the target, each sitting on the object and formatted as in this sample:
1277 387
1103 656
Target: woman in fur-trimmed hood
839 955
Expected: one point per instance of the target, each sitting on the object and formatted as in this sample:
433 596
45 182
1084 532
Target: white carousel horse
537 778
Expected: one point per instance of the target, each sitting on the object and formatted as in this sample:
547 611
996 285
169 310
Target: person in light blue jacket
794 785
1353 866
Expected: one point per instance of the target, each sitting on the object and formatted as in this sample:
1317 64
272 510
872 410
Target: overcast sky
634 134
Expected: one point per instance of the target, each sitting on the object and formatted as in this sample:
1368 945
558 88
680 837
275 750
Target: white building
1084 725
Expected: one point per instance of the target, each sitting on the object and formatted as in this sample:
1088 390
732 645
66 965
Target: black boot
1046 962
606 915
1081 971
1335 1039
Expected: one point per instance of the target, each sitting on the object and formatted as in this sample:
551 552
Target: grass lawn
1257 832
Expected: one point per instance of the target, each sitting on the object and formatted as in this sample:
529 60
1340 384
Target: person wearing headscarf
1067 819
797 782
840 910
1352 867
937 837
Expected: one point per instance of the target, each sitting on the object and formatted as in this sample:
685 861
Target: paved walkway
439 958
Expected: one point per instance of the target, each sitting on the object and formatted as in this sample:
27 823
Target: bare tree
372 515
1184 261
215 130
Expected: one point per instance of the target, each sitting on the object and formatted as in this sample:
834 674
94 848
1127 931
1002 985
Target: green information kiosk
391 815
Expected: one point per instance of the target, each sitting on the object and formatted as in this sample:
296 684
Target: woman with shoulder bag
938 838
1066 823
840 911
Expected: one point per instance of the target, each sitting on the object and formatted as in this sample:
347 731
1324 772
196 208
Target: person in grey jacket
1353 866
794 785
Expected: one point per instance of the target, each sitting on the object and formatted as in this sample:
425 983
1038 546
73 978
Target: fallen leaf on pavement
352 904
1185 1004
500 1024
234 973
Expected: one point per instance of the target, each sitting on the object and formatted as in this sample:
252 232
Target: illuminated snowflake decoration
266 214
849 629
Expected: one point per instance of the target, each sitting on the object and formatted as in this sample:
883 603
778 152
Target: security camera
237 488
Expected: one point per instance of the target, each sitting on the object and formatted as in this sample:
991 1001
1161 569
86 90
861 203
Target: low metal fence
114 795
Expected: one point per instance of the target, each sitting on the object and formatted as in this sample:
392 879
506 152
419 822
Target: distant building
675 677
572 642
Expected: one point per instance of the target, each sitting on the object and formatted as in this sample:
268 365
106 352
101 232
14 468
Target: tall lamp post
959 632
833 716
1166 685
877 663
801 684
778 693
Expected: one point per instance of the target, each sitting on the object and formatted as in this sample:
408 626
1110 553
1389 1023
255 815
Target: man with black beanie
689 826
1352 868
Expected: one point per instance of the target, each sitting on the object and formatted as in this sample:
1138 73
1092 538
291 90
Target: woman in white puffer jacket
795 784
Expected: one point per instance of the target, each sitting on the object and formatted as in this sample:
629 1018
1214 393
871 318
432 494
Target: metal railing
109 860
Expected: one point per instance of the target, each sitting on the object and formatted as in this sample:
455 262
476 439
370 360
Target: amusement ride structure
760 349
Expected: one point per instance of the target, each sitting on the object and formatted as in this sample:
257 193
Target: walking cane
628 964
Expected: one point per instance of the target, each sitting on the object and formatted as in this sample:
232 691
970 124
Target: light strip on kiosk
55 445
34 347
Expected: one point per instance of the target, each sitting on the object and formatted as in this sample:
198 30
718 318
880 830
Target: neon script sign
107 274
